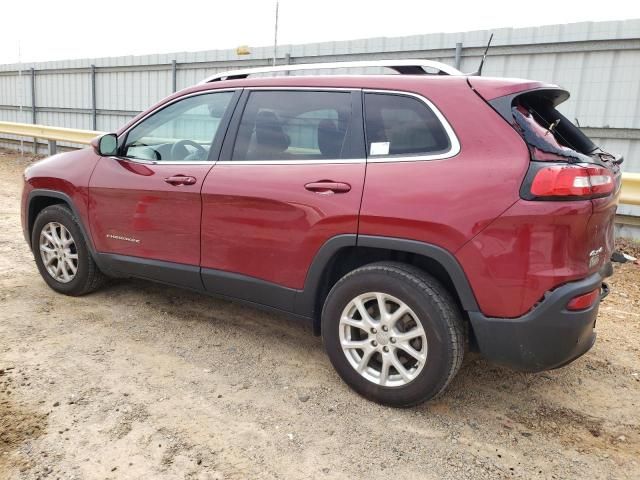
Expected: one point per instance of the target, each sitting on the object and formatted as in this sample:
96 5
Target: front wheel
61 253
393 333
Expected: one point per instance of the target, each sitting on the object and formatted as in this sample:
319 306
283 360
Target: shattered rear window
549 134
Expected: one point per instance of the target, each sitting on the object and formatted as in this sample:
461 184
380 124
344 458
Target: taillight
584 301
567 181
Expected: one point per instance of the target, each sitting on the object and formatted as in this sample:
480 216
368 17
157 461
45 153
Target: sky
42 30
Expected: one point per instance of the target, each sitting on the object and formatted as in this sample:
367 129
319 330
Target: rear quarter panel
447 202
530 249
600 230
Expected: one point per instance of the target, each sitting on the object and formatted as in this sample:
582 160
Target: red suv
406 216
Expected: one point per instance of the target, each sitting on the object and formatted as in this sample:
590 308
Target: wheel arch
40 199
344 253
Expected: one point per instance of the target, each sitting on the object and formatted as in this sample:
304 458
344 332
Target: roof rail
402 66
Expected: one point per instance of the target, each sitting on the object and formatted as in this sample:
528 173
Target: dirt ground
143 381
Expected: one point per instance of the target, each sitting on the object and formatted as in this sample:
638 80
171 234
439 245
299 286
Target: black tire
88 277
437 312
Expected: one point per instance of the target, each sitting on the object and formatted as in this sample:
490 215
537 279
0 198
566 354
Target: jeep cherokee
407 216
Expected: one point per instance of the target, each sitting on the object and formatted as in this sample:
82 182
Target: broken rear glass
548 133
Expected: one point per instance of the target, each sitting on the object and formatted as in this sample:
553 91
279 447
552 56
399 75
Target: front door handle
328 186
177 180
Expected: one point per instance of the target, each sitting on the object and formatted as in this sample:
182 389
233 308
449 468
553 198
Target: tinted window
182 131
402 125
288 125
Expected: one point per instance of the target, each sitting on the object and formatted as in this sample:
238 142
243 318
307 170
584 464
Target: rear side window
401 125
294 125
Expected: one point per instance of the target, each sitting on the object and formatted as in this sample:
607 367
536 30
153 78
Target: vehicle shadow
482 398
294 338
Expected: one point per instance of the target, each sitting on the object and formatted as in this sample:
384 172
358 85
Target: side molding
177 274
250 289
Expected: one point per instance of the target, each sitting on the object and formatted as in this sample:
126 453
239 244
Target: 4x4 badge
594 257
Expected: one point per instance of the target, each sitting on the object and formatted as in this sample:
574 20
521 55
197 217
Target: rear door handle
327 186
177 180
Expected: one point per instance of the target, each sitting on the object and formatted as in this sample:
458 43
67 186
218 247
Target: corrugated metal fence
599 62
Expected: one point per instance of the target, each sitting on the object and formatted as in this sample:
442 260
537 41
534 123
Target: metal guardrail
52 134
630 181
630 189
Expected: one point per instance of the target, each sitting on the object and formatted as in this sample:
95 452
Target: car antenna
478 72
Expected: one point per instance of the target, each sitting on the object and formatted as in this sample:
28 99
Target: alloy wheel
383 339
58 252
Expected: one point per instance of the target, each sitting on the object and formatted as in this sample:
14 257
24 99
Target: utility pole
21 86
275 36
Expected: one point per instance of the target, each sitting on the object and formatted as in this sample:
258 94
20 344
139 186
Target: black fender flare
305 303
439 254
40 192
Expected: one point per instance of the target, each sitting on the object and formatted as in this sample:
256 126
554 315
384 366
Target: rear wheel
393 333
61 253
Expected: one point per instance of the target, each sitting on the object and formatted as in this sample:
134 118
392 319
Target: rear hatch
565 164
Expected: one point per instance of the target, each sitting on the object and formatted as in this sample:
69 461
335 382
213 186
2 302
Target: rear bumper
547 337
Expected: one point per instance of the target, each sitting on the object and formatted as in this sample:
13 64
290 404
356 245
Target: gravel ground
144 381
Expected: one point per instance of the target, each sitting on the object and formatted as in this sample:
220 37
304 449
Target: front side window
294 125
398 125
183 131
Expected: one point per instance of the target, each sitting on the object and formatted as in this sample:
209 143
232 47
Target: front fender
63 177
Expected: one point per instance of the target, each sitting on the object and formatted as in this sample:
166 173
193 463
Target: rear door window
294 125
402 125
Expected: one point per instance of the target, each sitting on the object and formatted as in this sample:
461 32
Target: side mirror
106 145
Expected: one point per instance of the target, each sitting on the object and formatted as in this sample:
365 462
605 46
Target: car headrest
329 138
269 132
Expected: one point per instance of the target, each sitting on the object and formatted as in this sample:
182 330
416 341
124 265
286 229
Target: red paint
490 88
68 173
265 221
447 202
531 248
134 201
261 221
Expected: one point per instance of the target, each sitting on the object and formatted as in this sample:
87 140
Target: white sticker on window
379 148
